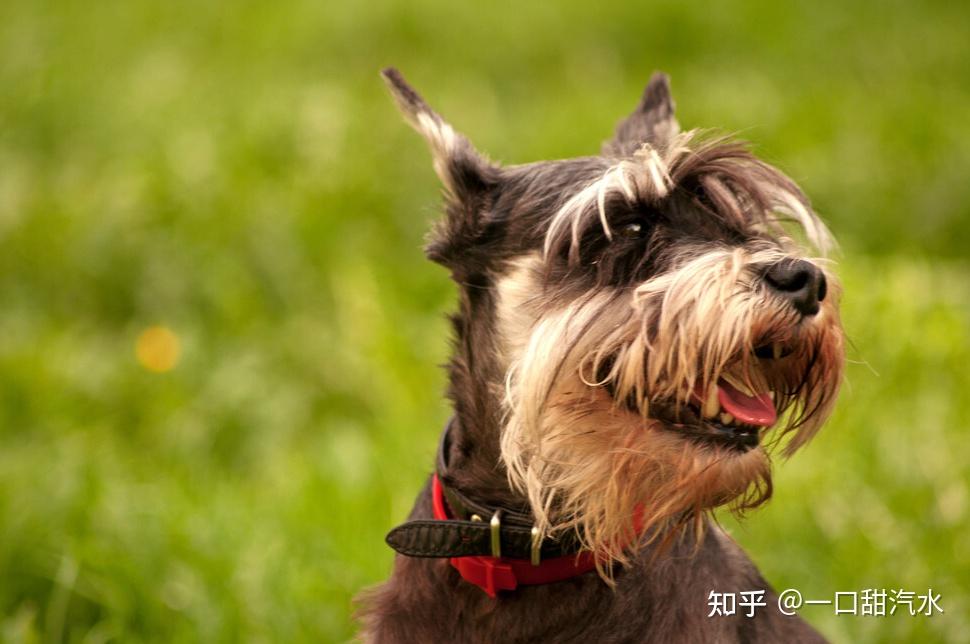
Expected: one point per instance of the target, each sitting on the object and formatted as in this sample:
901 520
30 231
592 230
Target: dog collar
501 554
495 572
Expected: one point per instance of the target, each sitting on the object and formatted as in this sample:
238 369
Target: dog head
648 321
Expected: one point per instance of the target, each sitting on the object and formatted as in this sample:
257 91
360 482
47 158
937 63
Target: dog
635 332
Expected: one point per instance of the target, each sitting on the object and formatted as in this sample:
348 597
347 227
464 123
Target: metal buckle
496 526
536 543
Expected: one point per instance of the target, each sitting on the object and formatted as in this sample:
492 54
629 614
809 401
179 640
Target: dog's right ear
651 122
469 177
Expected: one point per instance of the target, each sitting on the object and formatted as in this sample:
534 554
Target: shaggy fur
604 302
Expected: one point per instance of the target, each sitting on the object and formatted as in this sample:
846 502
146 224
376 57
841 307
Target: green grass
236 172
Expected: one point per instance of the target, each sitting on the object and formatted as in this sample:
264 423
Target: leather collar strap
493 548
505 573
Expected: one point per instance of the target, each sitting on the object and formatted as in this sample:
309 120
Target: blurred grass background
234 172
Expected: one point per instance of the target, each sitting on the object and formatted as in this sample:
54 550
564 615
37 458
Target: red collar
492 574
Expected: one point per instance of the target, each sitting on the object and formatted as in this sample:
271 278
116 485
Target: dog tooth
726 419
712 405
776 349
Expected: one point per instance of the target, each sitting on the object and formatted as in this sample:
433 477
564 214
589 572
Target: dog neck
474 467
476 377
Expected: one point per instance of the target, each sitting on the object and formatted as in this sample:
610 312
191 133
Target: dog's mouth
729 413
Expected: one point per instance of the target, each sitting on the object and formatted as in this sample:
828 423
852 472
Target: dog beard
602 391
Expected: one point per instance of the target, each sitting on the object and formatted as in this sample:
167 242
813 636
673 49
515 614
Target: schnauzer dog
631 328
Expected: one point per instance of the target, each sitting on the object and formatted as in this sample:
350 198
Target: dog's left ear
651 122
468 176
460 167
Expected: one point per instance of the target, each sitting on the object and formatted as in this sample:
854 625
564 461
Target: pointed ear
463 170
651 122
471 182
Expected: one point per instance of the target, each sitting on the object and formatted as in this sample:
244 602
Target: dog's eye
633 230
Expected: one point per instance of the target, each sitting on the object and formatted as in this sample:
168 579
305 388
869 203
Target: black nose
801 283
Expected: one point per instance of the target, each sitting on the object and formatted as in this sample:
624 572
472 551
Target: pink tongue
753 410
